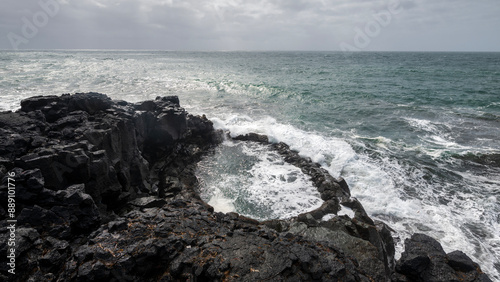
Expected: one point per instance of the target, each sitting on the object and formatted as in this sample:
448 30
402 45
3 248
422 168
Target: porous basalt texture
106 191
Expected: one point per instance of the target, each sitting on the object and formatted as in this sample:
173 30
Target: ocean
415 135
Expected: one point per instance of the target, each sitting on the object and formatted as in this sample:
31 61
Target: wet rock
89 102
106 191
328 186
148 202
253 137
82 212
188 242
372 245
359 212
365 253
80 159
425 260
461 262
369 242
38 102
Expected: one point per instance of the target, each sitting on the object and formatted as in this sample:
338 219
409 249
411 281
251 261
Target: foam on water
368 181
346 211
380 185
254 181
333 152
401 170
218 200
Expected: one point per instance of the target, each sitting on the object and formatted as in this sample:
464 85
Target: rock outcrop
425 260
106 190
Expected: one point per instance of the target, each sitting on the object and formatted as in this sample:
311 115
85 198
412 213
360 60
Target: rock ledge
106 190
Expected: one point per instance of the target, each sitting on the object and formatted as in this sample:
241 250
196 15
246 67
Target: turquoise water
416 135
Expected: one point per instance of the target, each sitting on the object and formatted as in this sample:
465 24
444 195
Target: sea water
415 135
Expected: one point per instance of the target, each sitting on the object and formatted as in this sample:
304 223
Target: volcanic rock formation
106 190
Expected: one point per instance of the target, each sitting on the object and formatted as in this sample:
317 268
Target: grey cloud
408 4
238 24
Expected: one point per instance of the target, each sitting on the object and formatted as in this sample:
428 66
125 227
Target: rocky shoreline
96 189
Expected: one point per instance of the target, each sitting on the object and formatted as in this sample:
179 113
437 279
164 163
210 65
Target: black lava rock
425 260
106 191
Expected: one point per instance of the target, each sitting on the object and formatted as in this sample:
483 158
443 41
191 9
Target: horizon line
249 51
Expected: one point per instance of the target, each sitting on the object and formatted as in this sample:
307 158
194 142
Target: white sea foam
378 185
333 152
373 186
256 182
462 215
346 211
219 202
437 137
329 216
422 124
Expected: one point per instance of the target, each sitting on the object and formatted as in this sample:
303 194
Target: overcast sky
368 25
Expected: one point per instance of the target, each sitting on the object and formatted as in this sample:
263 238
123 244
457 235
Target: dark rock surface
106 191
425 260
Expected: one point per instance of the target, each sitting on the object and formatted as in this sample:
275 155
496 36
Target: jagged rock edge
176 237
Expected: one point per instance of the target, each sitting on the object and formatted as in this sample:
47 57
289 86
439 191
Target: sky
253 25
